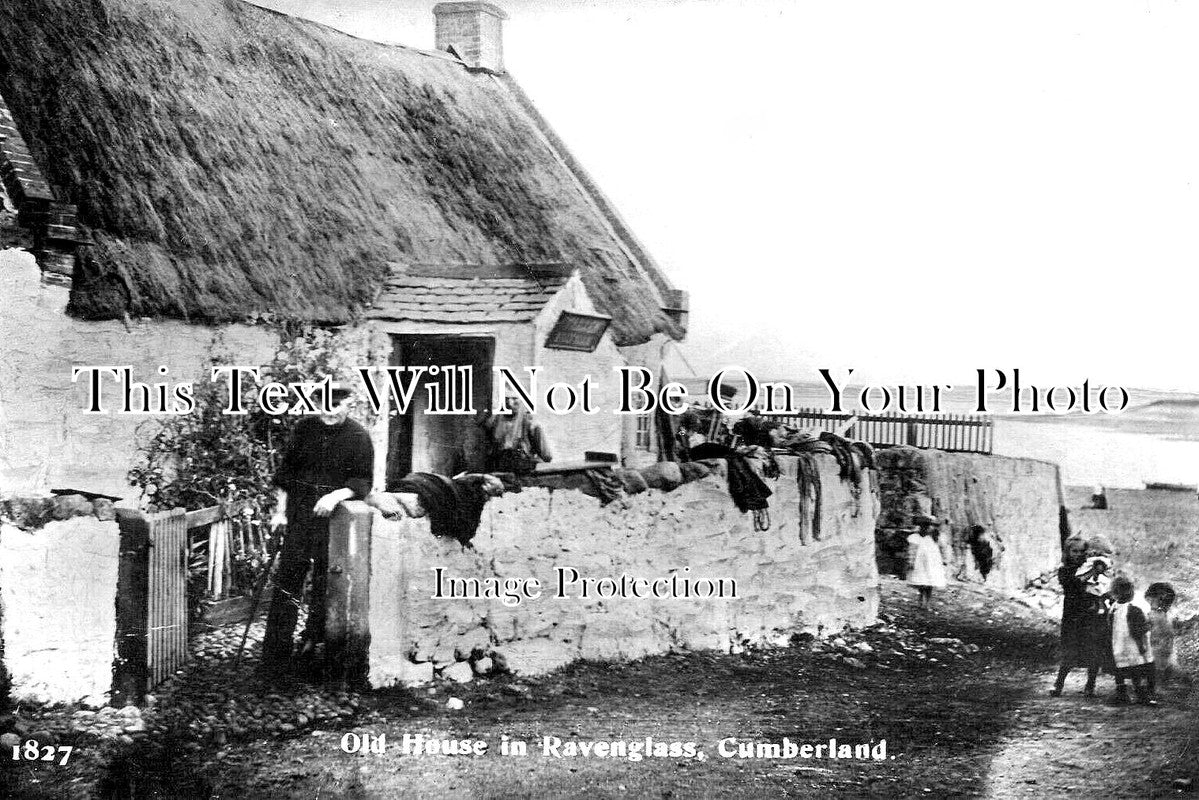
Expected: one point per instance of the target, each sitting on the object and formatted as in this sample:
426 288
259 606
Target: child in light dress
1131 649
927 569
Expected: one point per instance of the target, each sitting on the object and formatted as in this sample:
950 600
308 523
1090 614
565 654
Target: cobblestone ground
214 704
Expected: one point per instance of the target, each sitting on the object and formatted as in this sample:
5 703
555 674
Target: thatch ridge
231 161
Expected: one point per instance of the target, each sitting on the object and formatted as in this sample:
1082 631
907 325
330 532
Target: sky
911 189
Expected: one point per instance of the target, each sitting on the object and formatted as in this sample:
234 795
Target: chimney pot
475 32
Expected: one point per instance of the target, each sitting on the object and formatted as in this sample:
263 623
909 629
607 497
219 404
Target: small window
642 438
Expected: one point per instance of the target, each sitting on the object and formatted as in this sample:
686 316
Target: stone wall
1016 499
694 532
58 609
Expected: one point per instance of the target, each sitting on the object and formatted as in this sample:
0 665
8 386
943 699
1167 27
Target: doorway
442 443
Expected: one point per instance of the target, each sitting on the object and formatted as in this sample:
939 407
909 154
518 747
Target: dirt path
960 695
1059 746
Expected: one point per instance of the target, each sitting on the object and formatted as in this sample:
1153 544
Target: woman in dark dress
1085 633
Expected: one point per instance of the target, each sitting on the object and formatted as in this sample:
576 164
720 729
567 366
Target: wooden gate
151 601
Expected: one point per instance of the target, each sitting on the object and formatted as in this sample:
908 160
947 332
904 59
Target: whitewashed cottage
174 171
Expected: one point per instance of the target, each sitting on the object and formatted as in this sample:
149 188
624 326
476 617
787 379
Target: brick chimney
474 31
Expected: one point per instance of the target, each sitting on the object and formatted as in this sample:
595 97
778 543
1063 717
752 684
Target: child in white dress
927 570
1131 648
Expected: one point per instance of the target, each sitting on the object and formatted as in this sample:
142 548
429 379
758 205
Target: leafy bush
208 458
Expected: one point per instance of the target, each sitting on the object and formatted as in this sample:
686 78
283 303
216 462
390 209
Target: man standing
330 459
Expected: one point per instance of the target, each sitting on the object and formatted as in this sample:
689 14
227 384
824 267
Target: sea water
1091 453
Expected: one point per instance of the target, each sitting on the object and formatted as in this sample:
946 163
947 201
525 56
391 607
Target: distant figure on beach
926 567
1084 633
1099 498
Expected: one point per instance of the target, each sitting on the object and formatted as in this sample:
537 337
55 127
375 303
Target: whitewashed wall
784 587
58 592
46 441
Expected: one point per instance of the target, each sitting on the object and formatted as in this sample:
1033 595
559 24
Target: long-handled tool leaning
258 590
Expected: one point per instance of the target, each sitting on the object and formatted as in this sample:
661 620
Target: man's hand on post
324 507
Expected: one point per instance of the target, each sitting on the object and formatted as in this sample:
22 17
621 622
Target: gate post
347 599
131 669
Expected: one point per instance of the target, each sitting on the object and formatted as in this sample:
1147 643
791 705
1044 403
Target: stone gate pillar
347 600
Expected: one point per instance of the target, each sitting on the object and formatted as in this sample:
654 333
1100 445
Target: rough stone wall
46 441
58 592
1018 499
783 587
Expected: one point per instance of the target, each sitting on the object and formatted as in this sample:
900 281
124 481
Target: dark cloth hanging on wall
808 483
749 492
843 451
866 452
755 431
604 485
805 447
762 460
666 429
454 505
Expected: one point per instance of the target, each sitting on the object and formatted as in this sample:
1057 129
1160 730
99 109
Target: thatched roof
230 161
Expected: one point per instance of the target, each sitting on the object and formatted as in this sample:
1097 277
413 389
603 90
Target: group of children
1103 627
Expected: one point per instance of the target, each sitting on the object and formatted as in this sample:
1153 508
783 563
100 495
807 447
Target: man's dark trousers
305 544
